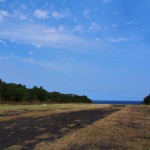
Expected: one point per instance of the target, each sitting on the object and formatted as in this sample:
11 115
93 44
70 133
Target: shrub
147 100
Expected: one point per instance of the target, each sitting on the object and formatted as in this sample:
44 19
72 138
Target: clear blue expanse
98 48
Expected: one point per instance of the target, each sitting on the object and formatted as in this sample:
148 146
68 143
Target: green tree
19 93
39 93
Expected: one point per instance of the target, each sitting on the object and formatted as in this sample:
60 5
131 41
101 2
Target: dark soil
25 131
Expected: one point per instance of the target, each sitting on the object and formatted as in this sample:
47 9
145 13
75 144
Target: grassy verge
5 107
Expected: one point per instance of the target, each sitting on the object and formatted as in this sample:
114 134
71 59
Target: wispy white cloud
131 23
115 26
94 27
3 43
98 40
7 57
86 13
19 15
117 40
105 27
79 28
44 36
41 14
3 14
59 15
54 30
27 60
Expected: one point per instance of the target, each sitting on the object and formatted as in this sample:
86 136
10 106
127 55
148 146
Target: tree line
11 92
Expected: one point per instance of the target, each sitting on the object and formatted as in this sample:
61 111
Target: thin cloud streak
117 40
59 67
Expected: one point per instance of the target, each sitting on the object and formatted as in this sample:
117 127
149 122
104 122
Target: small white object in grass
44 105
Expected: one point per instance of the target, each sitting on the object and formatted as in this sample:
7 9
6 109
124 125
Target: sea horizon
117 102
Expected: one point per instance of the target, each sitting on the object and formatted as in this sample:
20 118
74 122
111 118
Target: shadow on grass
28 132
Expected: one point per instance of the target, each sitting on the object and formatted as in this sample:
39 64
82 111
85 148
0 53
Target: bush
147 100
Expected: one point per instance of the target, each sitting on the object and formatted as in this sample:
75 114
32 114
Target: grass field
75 127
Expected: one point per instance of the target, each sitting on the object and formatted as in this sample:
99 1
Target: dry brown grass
11 112
127 129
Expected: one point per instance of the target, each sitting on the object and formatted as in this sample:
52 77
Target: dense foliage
147 99
11 92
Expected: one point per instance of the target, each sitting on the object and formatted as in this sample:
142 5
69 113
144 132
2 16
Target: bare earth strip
76 127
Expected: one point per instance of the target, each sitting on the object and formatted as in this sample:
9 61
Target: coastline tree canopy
147 100
11 92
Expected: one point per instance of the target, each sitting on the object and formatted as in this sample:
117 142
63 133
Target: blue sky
98 48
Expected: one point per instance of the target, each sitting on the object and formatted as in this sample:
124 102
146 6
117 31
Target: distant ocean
116 102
